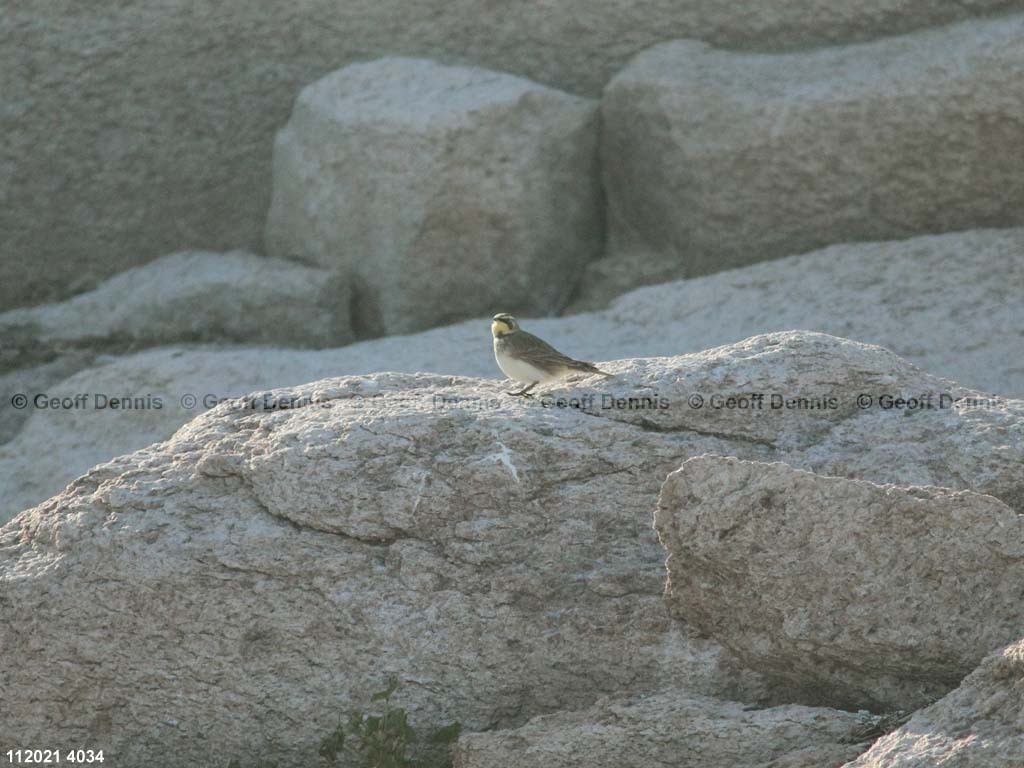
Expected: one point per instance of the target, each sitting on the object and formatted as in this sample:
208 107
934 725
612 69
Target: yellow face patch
499 327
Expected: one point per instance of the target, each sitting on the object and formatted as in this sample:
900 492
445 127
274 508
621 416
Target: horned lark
527 359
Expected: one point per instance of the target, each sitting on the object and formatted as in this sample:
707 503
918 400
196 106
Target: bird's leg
525 391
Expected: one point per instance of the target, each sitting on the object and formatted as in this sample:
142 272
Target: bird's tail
580 365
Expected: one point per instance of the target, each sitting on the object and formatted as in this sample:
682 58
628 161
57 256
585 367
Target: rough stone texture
265 568
182 297
495 553
843 591
438 191
715 159
979 725
670 729
134 129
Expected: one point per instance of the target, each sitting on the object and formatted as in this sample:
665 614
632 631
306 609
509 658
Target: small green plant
380 741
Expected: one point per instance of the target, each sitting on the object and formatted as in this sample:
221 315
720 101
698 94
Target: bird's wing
543 355
523 342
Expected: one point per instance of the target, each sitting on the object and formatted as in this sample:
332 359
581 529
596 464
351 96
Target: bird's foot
524 392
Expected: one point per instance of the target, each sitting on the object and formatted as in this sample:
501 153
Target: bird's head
503 324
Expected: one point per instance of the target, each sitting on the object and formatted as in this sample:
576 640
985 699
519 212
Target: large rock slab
976 726
494 554
167 113
185 297
671 728
438 192
842 591
714 159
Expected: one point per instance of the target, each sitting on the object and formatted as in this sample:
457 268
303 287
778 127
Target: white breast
519 370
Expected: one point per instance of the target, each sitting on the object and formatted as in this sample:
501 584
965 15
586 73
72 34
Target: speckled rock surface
494 553
978 725
842 591
266 568
438 192
670 729
714 159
